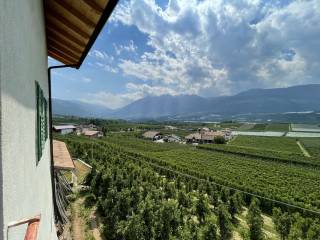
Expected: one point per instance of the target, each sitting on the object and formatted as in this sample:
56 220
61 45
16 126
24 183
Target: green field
268 143
277 180
241 168
312 145
277 127
268 155
260 127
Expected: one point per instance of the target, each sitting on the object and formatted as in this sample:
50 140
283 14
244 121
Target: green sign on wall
42 121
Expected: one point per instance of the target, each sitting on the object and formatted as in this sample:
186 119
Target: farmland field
271 155
312 145
303 135
127 165
278 127
259 133
270 127
259 127
305 128
246 127
280 181
268 143
289 183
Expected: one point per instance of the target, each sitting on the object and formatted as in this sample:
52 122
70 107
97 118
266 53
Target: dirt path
304 151
77 222
95 227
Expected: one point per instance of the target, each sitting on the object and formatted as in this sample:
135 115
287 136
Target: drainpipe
56 213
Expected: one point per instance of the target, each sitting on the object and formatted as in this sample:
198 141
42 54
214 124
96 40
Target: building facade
26 41
26 189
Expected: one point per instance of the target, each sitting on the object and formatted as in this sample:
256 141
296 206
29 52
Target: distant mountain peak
277 100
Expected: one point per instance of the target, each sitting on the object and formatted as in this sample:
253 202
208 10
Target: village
201 136
169 134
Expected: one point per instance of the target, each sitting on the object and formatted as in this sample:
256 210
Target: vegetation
279 144
269 155
259 127
169 194
312 145
255 221
277 127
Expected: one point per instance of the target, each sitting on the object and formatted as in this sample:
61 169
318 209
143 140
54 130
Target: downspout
56 213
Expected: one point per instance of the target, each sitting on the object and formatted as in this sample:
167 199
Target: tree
314 231
210 230
255 220
225 193
135 229
219 140
282 222
224 223
233 207
202 208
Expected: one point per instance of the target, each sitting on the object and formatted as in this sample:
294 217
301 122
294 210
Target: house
152 135
93 134
204 137
170 127
172 138
193 138
32 31
64 129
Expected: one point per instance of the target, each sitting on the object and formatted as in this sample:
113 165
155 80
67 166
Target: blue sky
204 47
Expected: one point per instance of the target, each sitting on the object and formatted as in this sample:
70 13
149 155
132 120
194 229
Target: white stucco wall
25 187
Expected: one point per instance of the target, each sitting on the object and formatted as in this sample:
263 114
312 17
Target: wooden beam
57 30
53 53
61 53
63 43
92 4
75 12
70 25
64 49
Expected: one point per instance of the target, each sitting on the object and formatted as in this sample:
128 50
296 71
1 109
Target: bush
220 140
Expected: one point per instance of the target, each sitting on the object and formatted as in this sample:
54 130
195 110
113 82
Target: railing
32 229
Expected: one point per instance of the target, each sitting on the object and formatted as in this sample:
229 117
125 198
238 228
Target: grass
289 183
268 143
259 127
81 171
312 145
278 127
246 127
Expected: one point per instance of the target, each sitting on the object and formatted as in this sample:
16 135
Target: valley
200 184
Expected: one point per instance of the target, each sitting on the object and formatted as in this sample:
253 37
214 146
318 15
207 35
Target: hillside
79 109
255 101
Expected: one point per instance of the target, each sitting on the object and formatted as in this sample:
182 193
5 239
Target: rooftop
61 156
90 133
61 127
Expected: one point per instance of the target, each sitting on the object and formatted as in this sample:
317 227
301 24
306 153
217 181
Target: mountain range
255 101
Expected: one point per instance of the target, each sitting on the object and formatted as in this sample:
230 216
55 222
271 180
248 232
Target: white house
32 30
64 129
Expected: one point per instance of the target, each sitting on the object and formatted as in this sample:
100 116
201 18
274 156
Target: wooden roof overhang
72 27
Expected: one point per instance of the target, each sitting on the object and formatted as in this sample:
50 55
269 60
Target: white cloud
101 55
86 80
134 92
131 47
111 69
110 100
225 46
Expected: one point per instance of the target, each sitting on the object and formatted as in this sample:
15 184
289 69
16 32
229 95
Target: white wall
25 187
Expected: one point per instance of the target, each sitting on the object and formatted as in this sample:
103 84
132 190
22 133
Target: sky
205 47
